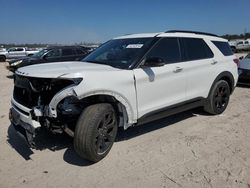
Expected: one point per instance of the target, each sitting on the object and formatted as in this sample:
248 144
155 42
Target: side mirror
154 62
241 57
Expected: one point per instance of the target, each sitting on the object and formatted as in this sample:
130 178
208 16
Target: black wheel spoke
110 126
220 104
106 132
109 137
217 101
108 119
218 98
221 98
99 142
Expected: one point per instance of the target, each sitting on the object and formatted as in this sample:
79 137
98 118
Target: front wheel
218 98
95 131
2 58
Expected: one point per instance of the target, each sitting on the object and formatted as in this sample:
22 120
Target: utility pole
245 33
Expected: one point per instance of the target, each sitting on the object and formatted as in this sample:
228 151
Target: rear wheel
95 131
218 98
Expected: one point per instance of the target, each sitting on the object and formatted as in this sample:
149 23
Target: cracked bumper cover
23 118
23 124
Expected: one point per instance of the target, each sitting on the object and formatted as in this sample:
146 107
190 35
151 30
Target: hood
245 63
62 69
24 59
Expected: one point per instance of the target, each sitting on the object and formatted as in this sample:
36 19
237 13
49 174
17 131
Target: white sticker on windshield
134 46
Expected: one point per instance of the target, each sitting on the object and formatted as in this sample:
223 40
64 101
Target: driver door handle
178 69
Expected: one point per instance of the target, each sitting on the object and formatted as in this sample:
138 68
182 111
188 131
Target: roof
62 47
174 33
139 35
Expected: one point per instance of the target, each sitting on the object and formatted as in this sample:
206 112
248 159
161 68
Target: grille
28 91
25 96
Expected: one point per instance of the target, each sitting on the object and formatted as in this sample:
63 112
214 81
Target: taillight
237 61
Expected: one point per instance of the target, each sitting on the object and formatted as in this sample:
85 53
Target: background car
16 52
244 70
51 54
243 45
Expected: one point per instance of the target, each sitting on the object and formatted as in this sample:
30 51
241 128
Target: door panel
199 74
199 66
159 87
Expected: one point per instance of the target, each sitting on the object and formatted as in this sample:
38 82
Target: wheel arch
124 109
3 56
228 77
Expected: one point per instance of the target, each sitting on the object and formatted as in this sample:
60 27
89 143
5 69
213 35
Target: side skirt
171 110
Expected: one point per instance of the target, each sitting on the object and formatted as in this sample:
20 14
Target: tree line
39 45
36 45
235 36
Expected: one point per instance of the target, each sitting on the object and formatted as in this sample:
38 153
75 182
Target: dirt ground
190 149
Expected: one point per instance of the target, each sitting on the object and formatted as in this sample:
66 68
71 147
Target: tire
218 98
2 58
233 49
95 132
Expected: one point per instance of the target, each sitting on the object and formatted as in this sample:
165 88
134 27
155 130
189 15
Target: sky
75 21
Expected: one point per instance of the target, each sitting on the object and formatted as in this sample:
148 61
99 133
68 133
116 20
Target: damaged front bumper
23 123
26 120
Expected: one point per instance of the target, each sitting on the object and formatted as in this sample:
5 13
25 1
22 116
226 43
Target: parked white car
2 49
16 52
129 80
243 45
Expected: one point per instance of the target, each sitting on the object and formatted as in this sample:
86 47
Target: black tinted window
67 52
19 49
53 53
223 47
195 49
80 51
167 49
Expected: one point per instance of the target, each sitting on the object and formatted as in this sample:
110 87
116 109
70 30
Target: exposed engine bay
37 94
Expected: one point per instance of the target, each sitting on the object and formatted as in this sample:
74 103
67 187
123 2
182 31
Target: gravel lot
191 149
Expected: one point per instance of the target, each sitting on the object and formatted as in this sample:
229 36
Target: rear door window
223 47
67 52
195 49
80 51
19 49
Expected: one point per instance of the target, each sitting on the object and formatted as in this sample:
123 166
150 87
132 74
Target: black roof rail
195 32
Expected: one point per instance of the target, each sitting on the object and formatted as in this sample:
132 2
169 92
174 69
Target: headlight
16 63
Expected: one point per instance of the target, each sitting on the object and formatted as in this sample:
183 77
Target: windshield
40 53
120 53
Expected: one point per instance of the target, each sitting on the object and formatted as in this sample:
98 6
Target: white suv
129 80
